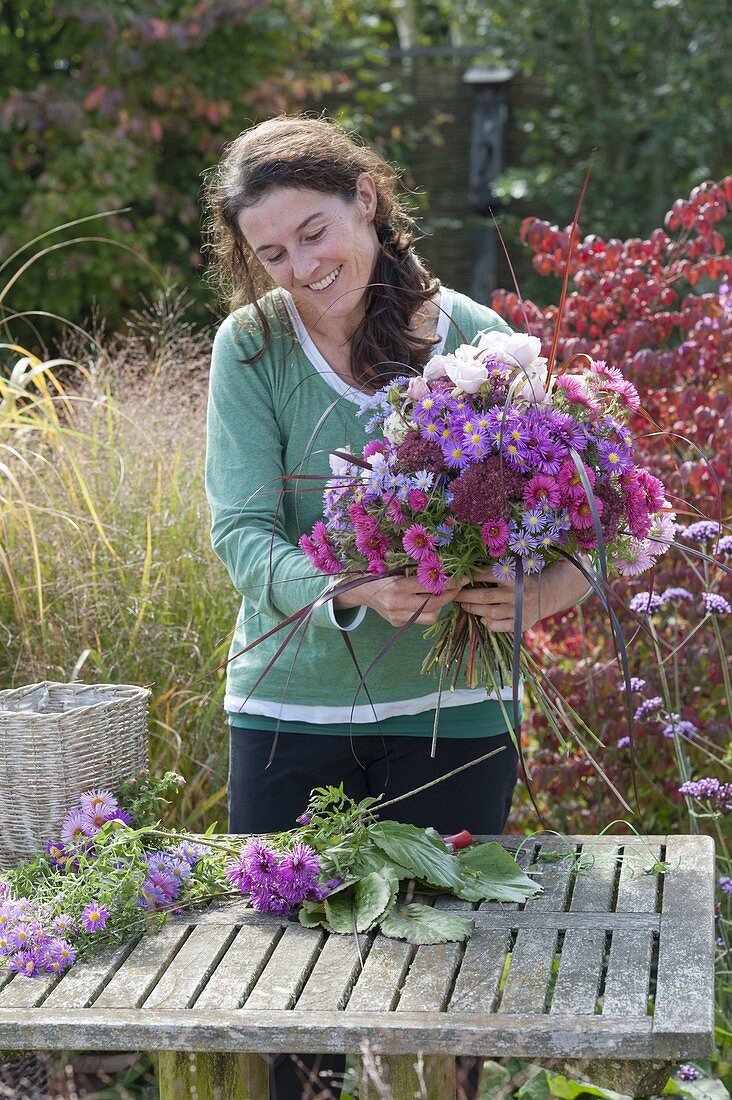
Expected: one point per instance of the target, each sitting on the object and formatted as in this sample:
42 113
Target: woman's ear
366 195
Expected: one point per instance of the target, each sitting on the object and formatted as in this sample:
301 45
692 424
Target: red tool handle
463 839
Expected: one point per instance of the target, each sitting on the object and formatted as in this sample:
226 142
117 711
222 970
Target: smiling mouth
326 282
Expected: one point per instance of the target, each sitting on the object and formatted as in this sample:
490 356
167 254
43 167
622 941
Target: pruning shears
463 839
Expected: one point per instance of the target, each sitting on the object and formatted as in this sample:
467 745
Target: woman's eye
274 259
316 236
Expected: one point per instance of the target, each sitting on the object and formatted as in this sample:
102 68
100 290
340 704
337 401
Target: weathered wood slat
595 880
246 957
580 970
24 992
80 985
287 971
554 877
530 972
638 891
476 986
378 984
190 968
334 974
430 978
684 1003
579 921
628 974
493 1035
140 970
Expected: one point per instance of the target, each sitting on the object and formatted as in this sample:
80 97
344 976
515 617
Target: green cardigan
283 415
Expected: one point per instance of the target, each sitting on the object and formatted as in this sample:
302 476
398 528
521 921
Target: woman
329 300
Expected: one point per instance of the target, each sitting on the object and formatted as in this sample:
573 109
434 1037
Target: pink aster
633 560
542 492
374 447
418 500
376 565
98 801
580 513
395 511
575 391
570 482
418 543
495 536
431 575
652 488
75 829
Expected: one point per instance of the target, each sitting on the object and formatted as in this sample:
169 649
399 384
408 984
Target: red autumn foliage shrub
660 309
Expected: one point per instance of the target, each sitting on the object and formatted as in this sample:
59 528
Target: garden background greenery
116 109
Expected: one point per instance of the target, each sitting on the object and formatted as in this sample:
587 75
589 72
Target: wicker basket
57 741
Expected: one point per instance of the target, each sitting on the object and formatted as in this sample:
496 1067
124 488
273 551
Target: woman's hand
397 598
558 587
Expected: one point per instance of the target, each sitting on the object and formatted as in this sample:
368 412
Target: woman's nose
303 266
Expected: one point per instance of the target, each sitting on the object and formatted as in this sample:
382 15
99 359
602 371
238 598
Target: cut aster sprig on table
487 463
115 873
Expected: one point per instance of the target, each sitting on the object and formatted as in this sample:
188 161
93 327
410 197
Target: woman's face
319 247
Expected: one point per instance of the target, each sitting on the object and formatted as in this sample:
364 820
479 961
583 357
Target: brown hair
318 155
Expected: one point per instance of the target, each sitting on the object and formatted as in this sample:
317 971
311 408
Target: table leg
428 1077
204 1076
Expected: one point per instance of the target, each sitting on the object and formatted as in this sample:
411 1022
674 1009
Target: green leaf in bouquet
422 924
412 849
369 858
373 895
312 914
498 878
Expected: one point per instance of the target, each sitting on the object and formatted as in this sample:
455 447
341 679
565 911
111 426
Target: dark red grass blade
514 279
565 282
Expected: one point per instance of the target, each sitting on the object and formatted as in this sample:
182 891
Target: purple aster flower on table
57 854
714 604
702 531
5 947
58 955
8 914
152 896
63 925
685 1072
94 917
266 900
239 875
24 962
648 708
20 937
299 872
262 862
645 603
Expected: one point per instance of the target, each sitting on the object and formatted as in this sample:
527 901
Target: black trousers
267 799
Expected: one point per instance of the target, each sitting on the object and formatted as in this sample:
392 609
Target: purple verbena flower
623 742
714 604
670 594
702 531
648 707
675 724
646 603
685 1072
725 884
636 683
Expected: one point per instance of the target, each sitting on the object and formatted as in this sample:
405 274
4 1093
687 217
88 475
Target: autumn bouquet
488 462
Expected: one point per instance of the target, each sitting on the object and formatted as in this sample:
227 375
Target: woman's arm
557 588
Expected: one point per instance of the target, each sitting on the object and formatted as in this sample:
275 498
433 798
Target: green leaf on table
499 876
536 1088
423 924
370 858
423 859
567 1088
340 910
373 895
312 914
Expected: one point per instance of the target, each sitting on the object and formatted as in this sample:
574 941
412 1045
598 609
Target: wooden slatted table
611 966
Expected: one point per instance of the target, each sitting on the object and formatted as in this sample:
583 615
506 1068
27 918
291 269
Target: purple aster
94 801
549 458
714 604
63 924
24 962
262 861
304 819
566 429
520 542
702 531
445 534
152 896
648 708
57 854
58 955
533 563
266 900
20 937
645 603
5 948
614 458
238 874
685 1072
74 829
7 914
299 871
534 520
504 569
94 917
